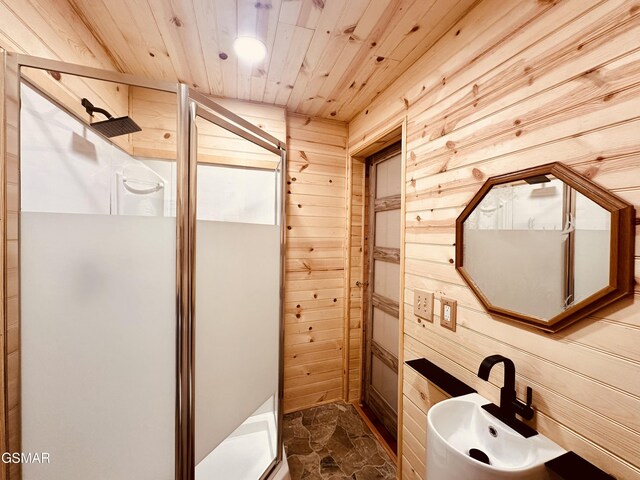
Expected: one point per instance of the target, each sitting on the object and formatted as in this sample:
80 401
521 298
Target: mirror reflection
537 246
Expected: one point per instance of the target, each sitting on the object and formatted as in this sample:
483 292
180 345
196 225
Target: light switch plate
423 304
448 312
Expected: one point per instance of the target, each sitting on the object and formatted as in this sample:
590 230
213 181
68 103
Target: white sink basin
457 425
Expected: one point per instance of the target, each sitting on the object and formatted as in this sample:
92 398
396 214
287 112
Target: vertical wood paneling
359 226
315 262
403 266
540 82
4 326
9 292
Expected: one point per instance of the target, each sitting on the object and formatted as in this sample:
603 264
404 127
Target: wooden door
380 390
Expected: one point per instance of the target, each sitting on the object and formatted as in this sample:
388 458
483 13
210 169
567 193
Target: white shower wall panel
237 322
98 336
65 166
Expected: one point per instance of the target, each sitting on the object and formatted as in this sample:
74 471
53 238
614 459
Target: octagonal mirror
546 246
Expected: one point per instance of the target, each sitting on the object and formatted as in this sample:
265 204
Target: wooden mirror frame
621 261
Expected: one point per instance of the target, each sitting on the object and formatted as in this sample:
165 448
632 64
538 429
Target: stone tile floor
331 442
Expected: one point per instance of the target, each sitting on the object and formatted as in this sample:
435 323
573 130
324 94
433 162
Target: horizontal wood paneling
37 28
418 396
315 262
540 82
156 112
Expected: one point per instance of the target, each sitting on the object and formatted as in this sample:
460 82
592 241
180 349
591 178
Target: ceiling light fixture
249 49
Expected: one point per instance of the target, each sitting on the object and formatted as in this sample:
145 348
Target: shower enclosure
142 279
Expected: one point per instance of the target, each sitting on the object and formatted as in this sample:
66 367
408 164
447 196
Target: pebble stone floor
331 442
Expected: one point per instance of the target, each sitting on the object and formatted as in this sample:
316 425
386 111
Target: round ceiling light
249 49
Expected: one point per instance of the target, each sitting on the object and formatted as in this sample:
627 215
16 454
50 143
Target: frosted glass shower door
237 315
97 299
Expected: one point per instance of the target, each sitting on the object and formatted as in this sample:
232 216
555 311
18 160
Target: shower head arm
91 109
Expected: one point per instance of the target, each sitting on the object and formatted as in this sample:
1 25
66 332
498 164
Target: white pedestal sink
458 425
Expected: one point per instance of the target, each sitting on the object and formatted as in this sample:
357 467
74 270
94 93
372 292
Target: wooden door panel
380 379
387 203
388 178
385 381
387 228
387 254
385 330
386 279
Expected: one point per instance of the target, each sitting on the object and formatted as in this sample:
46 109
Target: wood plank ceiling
326 58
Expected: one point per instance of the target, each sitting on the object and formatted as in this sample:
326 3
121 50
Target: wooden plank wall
3 440
35 27
3 412
155 112
419 395
358 234
315 262
9 230
512 85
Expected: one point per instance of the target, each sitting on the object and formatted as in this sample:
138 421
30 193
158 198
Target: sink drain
479 455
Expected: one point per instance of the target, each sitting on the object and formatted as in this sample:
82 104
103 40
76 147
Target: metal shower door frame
199 105
187 101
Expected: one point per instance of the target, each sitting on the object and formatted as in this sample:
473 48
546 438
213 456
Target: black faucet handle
524 410
529 396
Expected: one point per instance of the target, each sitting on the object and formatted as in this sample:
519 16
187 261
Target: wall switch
448 309
423 304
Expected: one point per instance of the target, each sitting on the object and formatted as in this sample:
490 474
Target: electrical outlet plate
423 304
448 311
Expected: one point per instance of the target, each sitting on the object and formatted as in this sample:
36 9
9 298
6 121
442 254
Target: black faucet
509 403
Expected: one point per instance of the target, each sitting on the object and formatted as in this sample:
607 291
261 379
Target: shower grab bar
142 191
